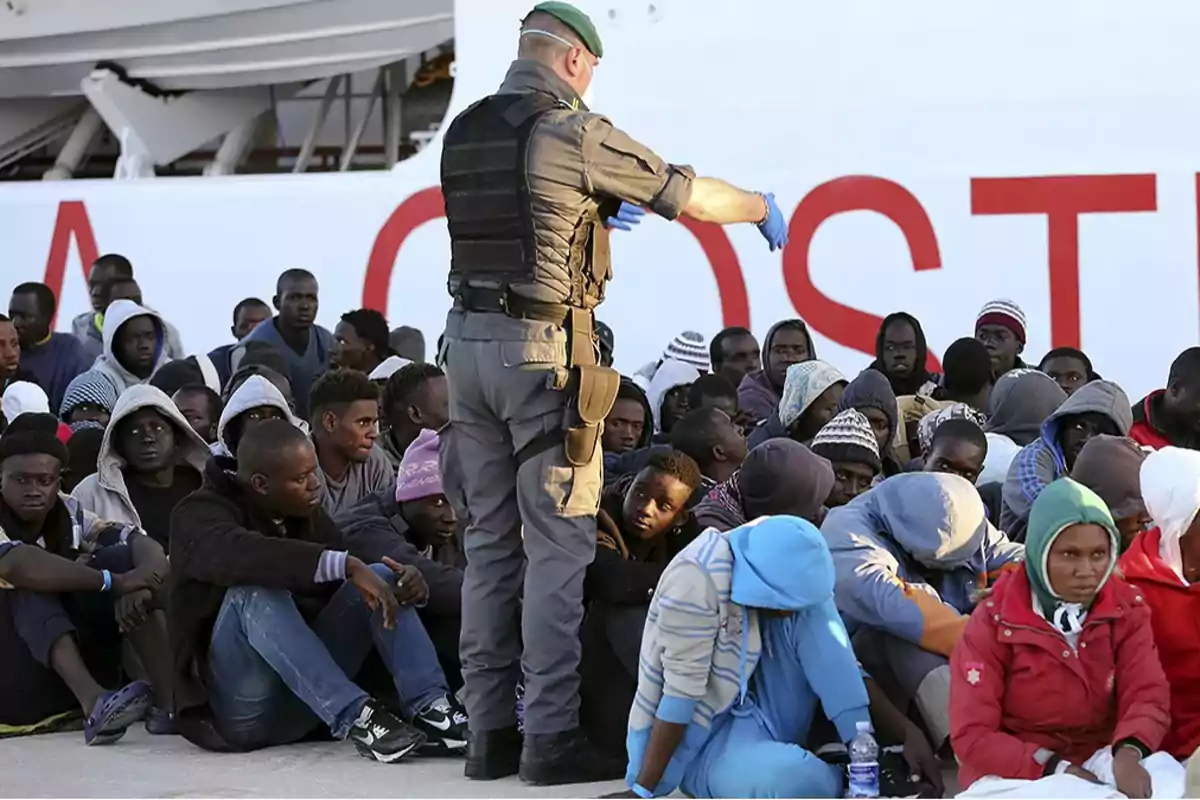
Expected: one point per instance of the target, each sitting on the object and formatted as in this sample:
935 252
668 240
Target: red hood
1142 562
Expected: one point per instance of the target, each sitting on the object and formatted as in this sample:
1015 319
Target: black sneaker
568 757
444 724
381 735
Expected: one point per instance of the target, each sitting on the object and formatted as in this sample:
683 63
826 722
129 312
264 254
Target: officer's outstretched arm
714 200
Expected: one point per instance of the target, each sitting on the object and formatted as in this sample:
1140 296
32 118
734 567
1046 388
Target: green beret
577 21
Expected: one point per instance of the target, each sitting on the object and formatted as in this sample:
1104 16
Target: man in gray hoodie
135 345
1100 407
149 460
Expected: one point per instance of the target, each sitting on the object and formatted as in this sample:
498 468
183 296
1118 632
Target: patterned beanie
929 423
88 388
848 437
804 383
690 348
1003 312
419 474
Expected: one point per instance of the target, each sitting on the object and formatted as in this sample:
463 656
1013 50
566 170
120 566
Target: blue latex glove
774 228
626 217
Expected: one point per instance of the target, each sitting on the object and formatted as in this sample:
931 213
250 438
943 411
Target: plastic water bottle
864 763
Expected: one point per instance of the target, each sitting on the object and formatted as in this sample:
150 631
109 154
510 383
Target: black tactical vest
488 209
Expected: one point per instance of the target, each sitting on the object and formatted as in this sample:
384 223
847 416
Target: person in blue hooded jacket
742 642
910 557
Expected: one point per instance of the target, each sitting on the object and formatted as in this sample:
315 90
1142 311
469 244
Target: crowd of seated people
988 562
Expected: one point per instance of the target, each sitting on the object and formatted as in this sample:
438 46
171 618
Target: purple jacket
757 394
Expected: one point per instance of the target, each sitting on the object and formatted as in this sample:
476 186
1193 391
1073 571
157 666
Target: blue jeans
272 678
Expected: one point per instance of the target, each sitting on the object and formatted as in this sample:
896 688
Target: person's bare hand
373 589
135 580
1132 779
1080 772
922 763
132 609
410 588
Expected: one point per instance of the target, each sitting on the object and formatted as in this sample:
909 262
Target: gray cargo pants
500 372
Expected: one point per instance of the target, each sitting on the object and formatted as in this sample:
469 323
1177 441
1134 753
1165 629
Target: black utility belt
502 301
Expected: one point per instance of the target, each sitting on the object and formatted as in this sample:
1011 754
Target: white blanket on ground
1166 778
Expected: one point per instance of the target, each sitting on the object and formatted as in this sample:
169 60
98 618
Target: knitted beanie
848 437
419 474
1003 312
33 433
88 388
690 348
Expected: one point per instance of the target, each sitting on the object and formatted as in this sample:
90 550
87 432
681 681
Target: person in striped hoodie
742 641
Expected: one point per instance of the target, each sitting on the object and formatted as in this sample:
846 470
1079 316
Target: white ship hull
47 47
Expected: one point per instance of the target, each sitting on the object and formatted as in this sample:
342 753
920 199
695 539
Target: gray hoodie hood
1099 397
255 392
105 492
119 312
1020 402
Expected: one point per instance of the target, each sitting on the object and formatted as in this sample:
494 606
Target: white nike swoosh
441 725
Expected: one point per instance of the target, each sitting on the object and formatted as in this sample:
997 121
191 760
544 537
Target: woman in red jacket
1164 563
1059 664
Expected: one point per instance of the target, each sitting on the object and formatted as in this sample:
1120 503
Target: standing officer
529 176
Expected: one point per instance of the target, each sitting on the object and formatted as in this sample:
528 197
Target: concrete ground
59 765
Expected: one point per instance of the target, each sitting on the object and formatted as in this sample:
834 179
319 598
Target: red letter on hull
1062 200
72 221
843 324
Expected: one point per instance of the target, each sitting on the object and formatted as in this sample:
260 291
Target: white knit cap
690 348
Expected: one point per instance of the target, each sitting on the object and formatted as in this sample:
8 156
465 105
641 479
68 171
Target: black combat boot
492 755
568 757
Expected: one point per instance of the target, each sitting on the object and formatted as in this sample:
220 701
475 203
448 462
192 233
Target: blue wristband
107 580
641 791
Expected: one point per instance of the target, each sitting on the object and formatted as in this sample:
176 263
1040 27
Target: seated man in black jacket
271 617
415 524
62 623
639 529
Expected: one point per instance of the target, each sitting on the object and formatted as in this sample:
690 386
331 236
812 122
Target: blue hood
780 563
936 518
